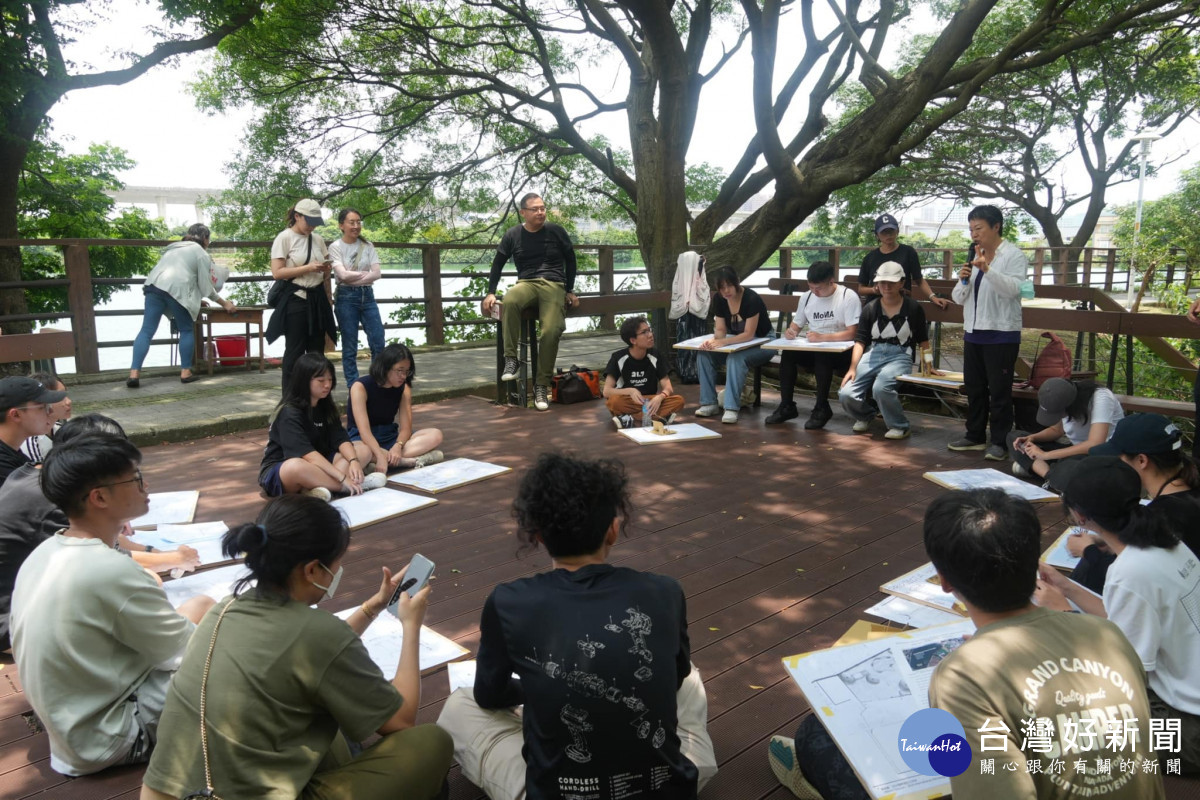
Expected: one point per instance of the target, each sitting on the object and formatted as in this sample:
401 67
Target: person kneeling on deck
831 313
1077 676
612 705
635 379
95 639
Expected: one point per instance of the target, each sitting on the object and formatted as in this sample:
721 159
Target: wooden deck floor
780 538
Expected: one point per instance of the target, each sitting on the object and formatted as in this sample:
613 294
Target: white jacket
998 306
689 289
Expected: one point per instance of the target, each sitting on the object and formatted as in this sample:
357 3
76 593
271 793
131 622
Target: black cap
1104 488
20 390
1151 434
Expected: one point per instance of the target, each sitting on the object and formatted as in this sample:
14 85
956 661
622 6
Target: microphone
970 258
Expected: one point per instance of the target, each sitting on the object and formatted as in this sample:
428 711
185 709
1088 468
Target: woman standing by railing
356 265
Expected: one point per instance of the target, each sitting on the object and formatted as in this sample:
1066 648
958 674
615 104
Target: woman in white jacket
182 278
989 291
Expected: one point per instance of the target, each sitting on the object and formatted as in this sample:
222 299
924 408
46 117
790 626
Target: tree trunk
12 301
1146 280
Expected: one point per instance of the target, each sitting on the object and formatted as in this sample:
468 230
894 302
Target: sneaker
781 754
995 452
782 413
1020 471
511 369
897 433
623 421
710 410
965 445
861 426
320 492
541 398
432 457
374 481
729 417
817 419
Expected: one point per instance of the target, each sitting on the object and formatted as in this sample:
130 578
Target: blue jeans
156 306
352 305
877 371
737 366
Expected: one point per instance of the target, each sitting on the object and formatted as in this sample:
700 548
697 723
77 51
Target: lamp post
1145 139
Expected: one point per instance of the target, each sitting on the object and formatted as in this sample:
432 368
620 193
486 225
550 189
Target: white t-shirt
1103 407
89 626
359 256
832 314
1153 596
292 247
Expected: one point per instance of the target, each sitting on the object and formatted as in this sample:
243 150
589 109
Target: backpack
575 385
1053 361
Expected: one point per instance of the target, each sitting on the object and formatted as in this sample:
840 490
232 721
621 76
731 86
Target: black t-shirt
903 255
642 374
751 304
28 520
548 254
9 460
294 434
906 329
1181 511
600 653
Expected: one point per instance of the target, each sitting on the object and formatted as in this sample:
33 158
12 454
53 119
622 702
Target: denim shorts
270 482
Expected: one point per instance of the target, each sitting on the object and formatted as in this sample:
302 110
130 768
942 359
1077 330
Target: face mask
333 584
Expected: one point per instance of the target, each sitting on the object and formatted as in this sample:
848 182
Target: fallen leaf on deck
459 571
752 686
714 629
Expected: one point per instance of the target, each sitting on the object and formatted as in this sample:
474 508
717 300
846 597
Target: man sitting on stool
831 313
636 375
545 261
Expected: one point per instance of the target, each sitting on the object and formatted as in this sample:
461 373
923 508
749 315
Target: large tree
463 93
1051 141
37 69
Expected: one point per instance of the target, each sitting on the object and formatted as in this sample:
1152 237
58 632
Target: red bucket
232 349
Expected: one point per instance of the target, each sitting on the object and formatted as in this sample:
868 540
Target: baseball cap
1151 434
1054 397
1103 488
311 211
20 390
889 271
886 222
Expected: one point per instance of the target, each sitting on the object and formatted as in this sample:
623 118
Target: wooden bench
47 343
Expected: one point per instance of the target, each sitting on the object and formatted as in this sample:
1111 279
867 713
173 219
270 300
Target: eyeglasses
49 409
137 478
644 331
400 373
535 209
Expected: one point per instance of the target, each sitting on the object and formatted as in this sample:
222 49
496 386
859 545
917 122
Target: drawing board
378 505
203 537
922 586
216 583
686 432
947 380
447 475
802 343
906 612
1057 555
168 507
864 692
695 342
385 636
991 479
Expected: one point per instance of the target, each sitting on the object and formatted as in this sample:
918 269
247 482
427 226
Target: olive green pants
411 764
551 300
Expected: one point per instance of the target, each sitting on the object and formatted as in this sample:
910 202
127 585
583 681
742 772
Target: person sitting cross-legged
95 639
613 707
830 311
637 376
1075 673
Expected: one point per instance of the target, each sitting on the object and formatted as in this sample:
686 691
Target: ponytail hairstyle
291 216
1176 461
198 233
290 530
1107 491
345 212
298 394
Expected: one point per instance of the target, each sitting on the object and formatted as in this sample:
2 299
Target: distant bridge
163 196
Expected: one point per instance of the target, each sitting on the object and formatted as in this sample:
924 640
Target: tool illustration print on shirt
582 681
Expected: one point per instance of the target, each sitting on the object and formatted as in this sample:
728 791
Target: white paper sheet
906 612
195 532
461 674
447 475
168 507
864 692
208 549
377 505
801 343
1056 555
385 636
685 432
921 586
216 583
695 342
991 479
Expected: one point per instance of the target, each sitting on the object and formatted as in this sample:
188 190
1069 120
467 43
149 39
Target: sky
154 118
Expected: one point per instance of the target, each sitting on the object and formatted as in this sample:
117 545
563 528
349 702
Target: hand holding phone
416 577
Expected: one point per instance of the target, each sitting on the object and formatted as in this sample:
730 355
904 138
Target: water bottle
646 421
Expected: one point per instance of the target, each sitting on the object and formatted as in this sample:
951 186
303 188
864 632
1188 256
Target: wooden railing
1099 266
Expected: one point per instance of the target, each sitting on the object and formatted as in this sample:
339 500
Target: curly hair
568 503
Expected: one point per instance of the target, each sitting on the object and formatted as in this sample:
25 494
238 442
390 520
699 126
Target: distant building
166 202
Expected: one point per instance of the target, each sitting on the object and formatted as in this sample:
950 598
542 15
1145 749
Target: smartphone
420 569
